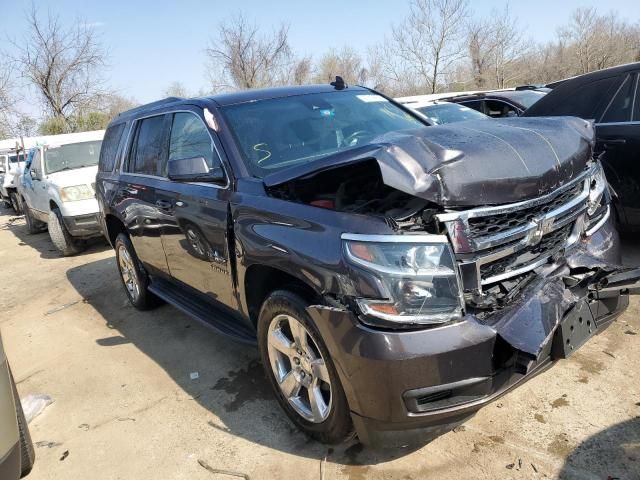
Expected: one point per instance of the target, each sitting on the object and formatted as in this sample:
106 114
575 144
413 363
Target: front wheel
15 204
61 237
300 370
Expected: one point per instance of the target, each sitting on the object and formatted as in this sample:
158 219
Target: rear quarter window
109 151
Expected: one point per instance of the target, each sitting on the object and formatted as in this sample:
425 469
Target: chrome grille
496 243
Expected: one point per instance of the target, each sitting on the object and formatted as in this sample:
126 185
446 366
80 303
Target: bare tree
481 50
176 89
345 62
431 39
6 101
244 57
64 65
508 47
301 71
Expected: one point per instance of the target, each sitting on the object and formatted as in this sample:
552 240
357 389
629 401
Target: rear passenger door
136 193
195 240
618 138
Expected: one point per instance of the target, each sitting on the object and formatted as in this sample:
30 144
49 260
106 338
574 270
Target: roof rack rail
152 105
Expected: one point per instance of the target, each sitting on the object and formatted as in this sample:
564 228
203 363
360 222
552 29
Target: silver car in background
16 450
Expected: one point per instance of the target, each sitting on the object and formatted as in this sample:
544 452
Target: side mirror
194 169
34 174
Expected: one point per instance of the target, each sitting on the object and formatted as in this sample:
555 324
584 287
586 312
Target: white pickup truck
11 165
57 189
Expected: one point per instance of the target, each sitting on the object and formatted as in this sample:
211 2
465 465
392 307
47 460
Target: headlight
598 200
78 192
417 277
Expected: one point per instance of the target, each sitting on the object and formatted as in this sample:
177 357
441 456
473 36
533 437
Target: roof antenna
339 83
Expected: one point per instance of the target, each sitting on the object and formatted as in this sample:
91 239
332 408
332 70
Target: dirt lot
125 406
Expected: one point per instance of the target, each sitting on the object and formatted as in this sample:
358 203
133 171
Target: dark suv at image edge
396 277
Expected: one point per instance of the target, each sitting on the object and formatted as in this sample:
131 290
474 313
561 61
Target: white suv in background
11 165
57 189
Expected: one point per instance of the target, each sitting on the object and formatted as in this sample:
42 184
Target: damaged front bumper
407 386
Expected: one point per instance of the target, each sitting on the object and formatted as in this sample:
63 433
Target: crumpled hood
482 162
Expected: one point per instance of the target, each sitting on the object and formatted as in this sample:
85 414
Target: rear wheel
60 236
15 204
134 279
27 453
300 369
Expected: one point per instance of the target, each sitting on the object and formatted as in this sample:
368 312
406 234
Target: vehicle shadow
40 241
611 453
231 383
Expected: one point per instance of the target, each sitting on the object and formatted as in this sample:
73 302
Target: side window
619 110
475 104
146 149
636 103
109 148
190 138
498 109
589 100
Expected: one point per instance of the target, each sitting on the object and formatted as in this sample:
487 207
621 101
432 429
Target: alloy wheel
128 272
299 368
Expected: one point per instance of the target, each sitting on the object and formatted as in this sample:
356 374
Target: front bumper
406 386
83 226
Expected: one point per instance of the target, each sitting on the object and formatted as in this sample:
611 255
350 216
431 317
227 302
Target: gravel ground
125 406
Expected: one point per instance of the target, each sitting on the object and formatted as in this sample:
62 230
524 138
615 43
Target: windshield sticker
371 98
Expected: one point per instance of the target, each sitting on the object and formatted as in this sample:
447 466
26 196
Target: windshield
449 112
72 156
526 98
281 132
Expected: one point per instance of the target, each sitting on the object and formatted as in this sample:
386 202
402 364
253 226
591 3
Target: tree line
440 46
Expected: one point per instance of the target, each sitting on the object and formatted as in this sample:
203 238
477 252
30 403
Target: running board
204 311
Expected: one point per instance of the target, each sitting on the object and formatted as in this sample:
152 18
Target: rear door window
109 148
146 150
619 110
475 104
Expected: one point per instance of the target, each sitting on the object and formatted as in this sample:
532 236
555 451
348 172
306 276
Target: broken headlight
598 200
416 275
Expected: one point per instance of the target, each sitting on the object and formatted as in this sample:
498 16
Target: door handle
612 142
164 204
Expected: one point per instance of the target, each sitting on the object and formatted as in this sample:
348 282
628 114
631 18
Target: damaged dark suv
396 277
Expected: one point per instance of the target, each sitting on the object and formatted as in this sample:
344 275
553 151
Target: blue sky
152 43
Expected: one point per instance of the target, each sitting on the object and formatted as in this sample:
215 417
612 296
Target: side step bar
204 311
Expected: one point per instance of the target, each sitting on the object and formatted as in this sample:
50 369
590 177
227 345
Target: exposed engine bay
359 188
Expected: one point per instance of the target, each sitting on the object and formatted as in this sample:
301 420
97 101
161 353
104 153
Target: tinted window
620 108
110 147
474 104
72 156
449 112
526 98
145 154
190 138
587 101
636 104
281 132
498 109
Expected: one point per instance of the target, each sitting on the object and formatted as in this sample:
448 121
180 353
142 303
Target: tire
61 237
15 204
330 421
134 279
33 225
27 453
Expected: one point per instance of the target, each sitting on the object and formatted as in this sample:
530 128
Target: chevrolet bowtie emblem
542 227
